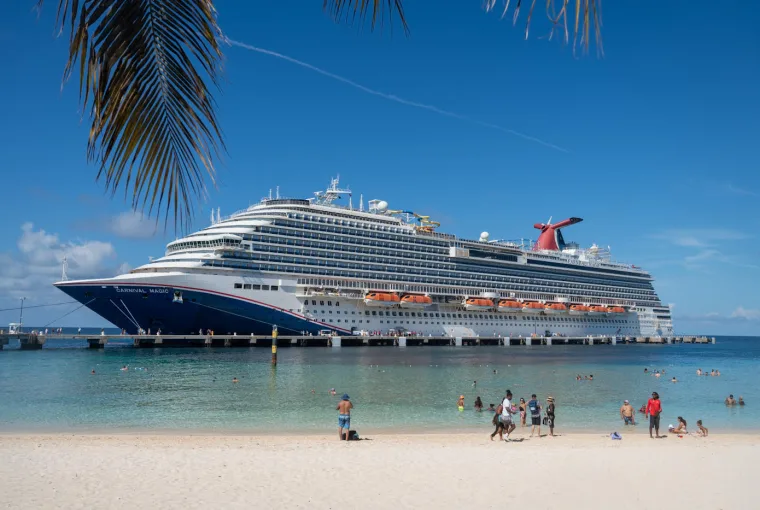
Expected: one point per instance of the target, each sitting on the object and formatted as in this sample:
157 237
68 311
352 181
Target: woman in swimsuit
681 429
522 412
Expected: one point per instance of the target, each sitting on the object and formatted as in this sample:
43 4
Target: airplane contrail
392 97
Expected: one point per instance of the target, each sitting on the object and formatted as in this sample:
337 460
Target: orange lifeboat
617 309
598 310
478 304
579 309
555 308
415 301
505 305
381 299
533 307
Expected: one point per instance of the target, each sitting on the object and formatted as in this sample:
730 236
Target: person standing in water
460 403
478 404
344 415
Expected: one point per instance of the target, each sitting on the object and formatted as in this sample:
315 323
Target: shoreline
638 430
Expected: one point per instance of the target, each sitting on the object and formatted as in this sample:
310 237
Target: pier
30 341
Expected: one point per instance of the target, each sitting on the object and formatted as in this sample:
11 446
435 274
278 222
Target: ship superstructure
309 265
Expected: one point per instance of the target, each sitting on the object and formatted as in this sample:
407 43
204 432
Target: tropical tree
146 69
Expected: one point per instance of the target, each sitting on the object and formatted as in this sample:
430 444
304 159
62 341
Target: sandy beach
586 471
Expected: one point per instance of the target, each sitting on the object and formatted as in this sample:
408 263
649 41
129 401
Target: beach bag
615 435
546 420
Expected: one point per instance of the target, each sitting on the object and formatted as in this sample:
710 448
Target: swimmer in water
92 372
124 368
460 403
234 379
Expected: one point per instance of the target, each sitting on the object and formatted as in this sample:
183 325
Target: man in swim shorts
344 415
627 413
535 415
654 409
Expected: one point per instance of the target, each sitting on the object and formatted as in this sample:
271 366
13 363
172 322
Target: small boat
480 304
415 301
381 299
555 308
507 305
579 309
598 310
532 307
617 309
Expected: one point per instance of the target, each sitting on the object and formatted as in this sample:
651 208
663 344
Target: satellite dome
382 206
484 236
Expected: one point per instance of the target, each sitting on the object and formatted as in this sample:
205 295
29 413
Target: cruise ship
314 266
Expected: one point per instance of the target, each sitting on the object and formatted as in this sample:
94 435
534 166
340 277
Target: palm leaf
588 14
349 10
144 72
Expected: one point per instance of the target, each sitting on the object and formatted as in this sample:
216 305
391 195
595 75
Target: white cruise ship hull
211 301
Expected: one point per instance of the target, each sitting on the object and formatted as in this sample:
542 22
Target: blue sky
657 141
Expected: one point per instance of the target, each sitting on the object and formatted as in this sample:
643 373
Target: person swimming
235 379
491 408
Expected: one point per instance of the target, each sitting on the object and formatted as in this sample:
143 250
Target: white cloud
30 270
745 313
133 225
736 190
700 237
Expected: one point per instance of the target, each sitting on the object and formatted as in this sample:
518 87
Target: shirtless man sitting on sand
344 416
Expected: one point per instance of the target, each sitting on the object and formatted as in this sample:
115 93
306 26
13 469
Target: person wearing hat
344 415
550 414
653 412
460 403
627 413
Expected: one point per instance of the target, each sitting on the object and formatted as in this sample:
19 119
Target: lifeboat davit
555 308
505 305
381 299
598 310
415 301
533 307
478 304
617 309
579 309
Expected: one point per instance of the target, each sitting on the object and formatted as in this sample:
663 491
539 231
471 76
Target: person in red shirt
654 409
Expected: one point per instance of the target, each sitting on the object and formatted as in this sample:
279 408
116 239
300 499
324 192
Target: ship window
329 303
247 286
374 312
274 287
238 285
265 287
337 303
366 312
322 303
256 286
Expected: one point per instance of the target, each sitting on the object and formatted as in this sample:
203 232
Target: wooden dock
29 341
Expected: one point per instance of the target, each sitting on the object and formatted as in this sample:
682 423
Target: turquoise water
392 388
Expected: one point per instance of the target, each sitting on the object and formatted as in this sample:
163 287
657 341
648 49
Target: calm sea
413 389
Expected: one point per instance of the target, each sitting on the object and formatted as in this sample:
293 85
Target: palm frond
588 14
350 10
144 72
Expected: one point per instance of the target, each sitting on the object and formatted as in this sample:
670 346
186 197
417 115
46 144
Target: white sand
437 471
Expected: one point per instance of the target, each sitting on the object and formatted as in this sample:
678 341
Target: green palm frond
143 67
349 10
